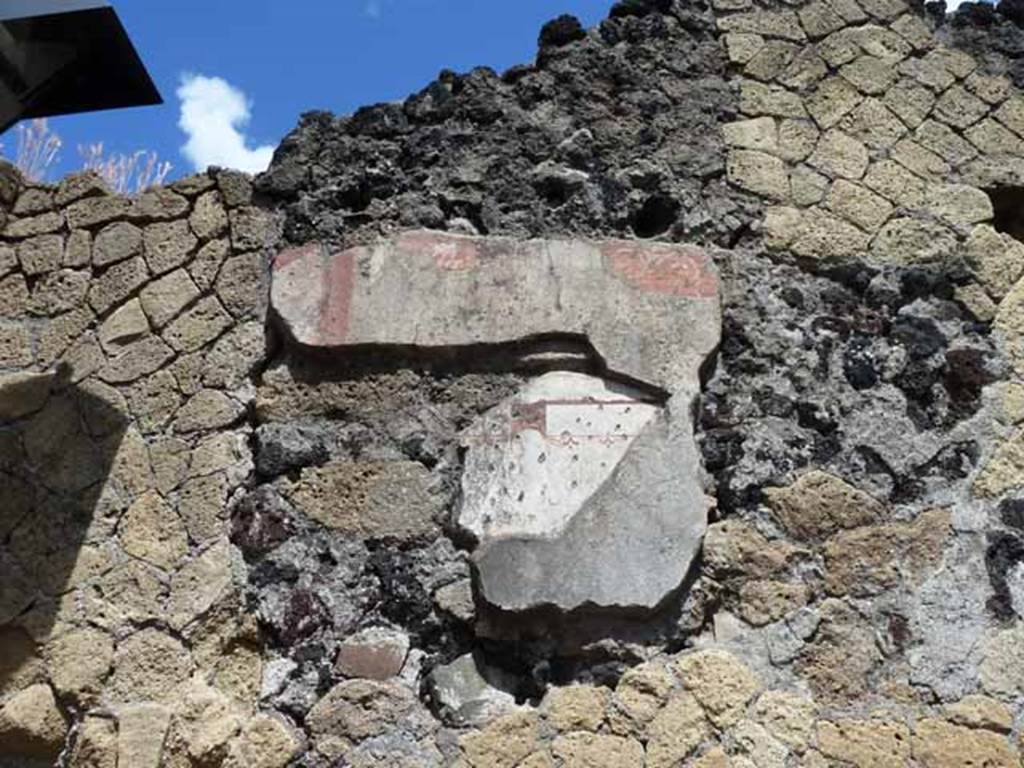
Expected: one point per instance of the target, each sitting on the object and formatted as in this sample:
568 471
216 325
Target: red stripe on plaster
336 310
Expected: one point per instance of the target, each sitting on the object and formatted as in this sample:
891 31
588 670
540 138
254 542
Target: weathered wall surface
129 334
237 536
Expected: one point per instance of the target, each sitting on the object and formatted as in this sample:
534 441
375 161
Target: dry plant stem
38 148
125 173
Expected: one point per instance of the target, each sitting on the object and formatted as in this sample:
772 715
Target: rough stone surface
141 733
31 725
136 360
208 219
862 207
150 665
92 211
913 241
117 283
248 228
840 156
59 292
35 225
865 742
116 242
158 203
981 712
759 173
168 245
471 692
760 134
164 298
818 505
197 326
152 531
42 254
240 284
859 597
208 409
502 744
720 682
126 324
675 732
79 661
378 499
577 707
588 750
23 393
1000 671
357 710
265 742
96 744
945 745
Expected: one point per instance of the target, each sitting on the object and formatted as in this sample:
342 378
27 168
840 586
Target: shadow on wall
58 442
1008 210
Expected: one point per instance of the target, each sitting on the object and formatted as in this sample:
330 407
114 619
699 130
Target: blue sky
292 56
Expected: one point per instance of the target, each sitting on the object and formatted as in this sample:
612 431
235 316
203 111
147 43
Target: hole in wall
1005 554
655 217
1008 206
555 191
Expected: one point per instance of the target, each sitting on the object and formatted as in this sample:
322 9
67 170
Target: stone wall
131 331
239 530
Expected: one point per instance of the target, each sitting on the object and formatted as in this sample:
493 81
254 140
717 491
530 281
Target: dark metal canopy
58 57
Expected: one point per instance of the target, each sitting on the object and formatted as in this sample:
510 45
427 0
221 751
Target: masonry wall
130 332
223 547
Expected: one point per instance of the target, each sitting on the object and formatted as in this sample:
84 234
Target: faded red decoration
291 255
529 416
673 271
336 308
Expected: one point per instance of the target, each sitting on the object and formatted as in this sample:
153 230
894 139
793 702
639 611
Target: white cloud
214 114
